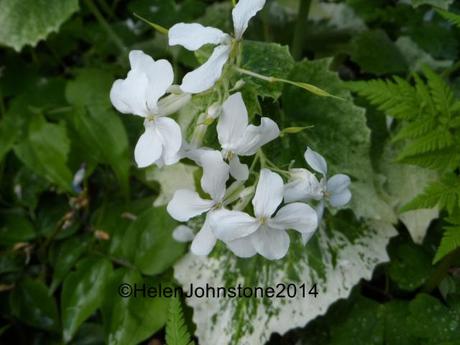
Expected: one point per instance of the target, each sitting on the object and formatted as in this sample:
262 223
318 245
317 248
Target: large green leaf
82 293
100 130
341 253
268 59
15 228
25 22
31 303
148 243
66 255
45 151
132 319
374 52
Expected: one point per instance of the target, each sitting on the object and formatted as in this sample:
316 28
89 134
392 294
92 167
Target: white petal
306 237
242 14
296 216
338 183
194 36
187 204
230 225
215 174
171 138
148 148
271 243
204 241
159 74
320 211
172 103
303 186
256 136
316 161
340 199
238 170
269 193
129 96
183 233
205 76
242 247
233 121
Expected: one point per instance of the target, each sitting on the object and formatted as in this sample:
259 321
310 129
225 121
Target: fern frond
441 93
435 140
398 98
415 129
444 194
176 329
443 160
451 17
450 241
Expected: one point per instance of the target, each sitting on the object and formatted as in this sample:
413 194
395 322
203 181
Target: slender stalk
441 271
100 18
299 31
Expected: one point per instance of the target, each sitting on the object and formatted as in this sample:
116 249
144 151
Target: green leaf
15 228
9 131
67 254
444 193
176 329
25 22
451 17
268 59
432 322
364 325
100 130
375 53
444 4
148 243
410 266
450 241
45 151
31 303
82 293
130 320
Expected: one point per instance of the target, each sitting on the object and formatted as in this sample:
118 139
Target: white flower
237 138
194 36
305 186
140 94
266 232
187 204
183 233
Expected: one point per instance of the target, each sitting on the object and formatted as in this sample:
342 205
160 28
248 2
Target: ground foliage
67 243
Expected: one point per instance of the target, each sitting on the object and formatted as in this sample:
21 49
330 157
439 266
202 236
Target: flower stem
100 18
441 271
306 86
299 32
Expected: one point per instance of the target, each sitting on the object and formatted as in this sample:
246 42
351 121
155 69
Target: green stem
299 31
100 18
441 271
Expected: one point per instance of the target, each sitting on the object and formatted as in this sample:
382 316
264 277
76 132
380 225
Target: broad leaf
82 293
148 243
132 319
25 22
100 130
268 59
45 151
31 303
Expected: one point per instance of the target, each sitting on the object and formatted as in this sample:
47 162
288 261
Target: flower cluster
148 91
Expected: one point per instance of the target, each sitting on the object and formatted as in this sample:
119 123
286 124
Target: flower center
228 155
263 220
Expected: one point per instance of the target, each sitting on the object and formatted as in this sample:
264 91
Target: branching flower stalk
297 203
